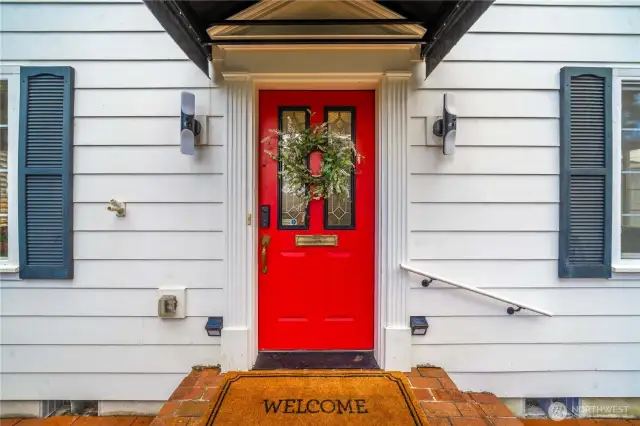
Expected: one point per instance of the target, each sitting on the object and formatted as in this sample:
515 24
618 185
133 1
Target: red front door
317 297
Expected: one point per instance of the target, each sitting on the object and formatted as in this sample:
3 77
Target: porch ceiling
446 21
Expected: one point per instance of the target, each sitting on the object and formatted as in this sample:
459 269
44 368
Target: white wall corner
239 291
235 354
10 409
393 231
397 349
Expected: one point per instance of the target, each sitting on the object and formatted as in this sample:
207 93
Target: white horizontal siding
545 383
546 47
533 357
490 132
469 188
90 387
90 302
130 74
428 245
105 331
569 20
149 245
483 217
165 160
89 46
482 160
488 215
151 188
140 131
98 337
151 217
506 273
78 17
500 75
107 359
524 330
488 103
147 273
143 102
560 301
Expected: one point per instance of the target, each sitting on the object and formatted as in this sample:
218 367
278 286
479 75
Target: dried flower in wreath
294 147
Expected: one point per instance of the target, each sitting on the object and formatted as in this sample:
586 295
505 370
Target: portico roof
434 25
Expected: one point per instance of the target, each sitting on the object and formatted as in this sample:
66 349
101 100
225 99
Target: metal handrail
510 310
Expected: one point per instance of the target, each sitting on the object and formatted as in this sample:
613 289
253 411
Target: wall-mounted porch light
214 326
419 326
445 127
190 128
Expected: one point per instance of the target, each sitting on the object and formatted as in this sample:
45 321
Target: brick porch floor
441 400
443 403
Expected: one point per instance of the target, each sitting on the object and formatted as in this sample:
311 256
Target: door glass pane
4 199
4 230
631 170
293 213
339 212
4 146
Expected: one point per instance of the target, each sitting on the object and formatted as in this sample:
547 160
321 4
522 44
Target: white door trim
240 332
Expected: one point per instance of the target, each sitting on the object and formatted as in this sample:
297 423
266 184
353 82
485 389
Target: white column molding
240 266
393 203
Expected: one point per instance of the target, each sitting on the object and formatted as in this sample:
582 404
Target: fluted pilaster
393 171
239 257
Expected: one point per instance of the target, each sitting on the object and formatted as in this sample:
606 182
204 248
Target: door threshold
312 360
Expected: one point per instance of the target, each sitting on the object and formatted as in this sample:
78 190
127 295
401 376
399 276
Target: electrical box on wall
172 303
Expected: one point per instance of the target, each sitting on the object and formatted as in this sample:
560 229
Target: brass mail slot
316 240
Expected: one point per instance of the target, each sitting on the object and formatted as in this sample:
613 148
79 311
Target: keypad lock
265 214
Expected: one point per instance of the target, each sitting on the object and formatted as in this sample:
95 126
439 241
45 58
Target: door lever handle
265 241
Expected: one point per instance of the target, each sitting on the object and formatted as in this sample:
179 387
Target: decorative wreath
337 164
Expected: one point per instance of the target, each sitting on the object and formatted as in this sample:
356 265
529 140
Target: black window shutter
585 173
46 172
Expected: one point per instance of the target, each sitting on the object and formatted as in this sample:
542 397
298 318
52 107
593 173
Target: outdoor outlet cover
172 303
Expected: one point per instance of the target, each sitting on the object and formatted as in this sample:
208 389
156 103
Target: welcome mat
314 398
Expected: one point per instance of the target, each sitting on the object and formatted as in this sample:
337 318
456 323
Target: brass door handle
265 243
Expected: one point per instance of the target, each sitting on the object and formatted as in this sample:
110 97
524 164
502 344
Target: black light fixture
419 326
214 326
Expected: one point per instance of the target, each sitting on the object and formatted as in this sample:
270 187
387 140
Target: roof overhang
435 25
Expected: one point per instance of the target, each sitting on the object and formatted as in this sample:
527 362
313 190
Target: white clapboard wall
488 215
98 336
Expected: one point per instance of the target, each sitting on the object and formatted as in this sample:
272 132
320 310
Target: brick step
439 397
445 405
